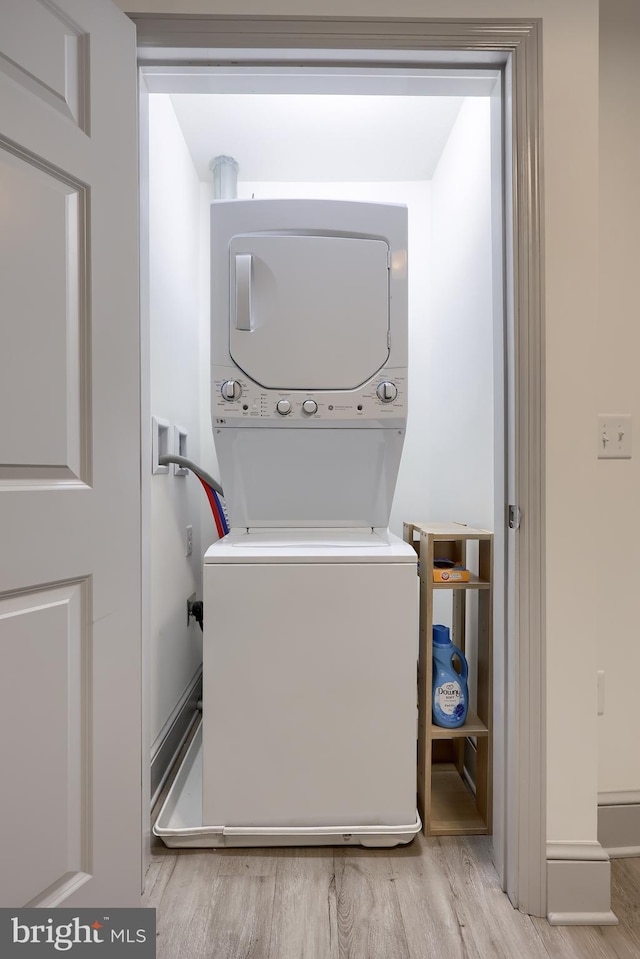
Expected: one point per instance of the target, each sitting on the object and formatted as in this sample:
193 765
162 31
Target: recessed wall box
159 443
180 447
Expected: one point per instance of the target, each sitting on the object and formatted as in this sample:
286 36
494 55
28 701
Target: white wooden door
70 816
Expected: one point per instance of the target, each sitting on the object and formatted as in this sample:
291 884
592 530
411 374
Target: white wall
174 267
616 519
447 469
570 164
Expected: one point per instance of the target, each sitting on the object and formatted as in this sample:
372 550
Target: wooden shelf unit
447 802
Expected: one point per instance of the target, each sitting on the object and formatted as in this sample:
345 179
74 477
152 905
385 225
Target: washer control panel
235 397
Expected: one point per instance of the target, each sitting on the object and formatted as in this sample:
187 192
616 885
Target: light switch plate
614 436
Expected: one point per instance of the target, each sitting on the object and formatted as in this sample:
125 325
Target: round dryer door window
309 312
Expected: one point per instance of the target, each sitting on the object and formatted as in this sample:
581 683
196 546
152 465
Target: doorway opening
429 138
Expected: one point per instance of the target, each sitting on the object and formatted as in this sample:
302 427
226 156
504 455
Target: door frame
515 46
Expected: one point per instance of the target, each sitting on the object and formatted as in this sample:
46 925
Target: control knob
283 407
310 407
231 390
387 391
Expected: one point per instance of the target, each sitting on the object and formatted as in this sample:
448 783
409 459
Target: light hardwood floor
433 899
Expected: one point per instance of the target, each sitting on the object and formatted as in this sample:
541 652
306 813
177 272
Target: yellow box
454 574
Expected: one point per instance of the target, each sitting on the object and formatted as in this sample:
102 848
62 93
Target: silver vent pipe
225 178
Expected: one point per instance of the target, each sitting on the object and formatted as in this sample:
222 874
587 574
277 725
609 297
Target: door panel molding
60 77
46 641
517 46
46 440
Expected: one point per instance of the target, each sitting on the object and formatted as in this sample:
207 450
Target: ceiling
309 137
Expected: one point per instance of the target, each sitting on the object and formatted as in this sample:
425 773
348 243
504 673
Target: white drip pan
180 820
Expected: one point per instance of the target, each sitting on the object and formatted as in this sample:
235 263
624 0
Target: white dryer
309 359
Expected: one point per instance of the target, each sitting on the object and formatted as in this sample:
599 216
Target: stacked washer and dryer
310 633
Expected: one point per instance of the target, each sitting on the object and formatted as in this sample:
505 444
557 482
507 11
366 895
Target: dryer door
308 312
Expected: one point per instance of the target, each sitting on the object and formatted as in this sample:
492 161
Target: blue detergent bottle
450 691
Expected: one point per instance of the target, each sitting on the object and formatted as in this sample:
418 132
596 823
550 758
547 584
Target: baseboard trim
619 797
579 887
582 919
624 852
588 851
167 751
619 829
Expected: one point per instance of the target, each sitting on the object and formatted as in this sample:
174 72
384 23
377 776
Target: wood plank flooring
434 899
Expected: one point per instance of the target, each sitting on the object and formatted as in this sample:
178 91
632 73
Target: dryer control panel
235 399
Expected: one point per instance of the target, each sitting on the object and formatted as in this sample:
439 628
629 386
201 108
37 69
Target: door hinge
388 259
388 339
515 515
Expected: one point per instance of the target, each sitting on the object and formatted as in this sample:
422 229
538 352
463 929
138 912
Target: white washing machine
311 622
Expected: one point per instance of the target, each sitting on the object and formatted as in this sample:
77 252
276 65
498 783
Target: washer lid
308 312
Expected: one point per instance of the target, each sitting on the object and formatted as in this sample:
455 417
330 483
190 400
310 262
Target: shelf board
473 726
448 532
474 583
452 810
